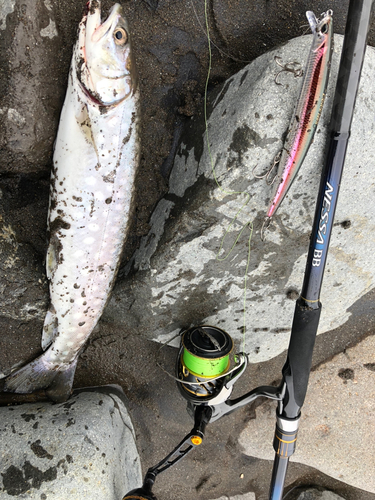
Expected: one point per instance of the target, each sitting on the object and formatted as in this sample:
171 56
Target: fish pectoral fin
50 329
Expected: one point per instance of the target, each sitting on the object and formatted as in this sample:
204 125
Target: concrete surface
337 420
84 448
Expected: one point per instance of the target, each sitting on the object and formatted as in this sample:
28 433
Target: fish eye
324 28
120 36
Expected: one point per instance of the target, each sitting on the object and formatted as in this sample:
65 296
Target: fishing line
249 223
214 44
185 382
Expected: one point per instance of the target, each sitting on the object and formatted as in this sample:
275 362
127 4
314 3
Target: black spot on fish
83 294
108 201
81 323
57 224
110 177
77 198
76 285
129 134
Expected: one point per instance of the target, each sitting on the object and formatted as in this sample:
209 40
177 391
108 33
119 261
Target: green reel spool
204 355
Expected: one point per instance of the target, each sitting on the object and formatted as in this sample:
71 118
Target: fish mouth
94 29
93 67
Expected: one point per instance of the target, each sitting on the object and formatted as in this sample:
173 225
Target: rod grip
296 370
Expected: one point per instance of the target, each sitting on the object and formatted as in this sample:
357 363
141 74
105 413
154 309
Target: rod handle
296 370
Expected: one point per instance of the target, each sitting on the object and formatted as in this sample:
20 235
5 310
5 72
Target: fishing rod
203 372
308 306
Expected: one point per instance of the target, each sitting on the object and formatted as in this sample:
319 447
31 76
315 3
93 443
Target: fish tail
41 374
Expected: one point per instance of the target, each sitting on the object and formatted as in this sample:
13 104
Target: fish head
103 56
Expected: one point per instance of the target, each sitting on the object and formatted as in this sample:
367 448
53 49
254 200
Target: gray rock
246 496
313 494
179 279
84 448
337 420
23 287
6 7
30 98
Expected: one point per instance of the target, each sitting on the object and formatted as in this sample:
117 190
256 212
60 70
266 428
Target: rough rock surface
313 494
84 448
179 279
247 496
337 419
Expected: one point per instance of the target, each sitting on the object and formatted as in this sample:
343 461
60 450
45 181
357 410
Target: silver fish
92 185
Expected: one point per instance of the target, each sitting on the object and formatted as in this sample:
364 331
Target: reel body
205 379
202 362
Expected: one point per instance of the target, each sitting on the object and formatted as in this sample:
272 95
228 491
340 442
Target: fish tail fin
41 374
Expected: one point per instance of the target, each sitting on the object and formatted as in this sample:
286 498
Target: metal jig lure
308 108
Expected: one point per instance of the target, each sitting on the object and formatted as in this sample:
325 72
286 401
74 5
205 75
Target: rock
84 448
313 494
23 287
337 416
179 281
30 101
246 496
23 294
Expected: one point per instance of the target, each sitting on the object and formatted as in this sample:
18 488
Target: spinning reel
205 378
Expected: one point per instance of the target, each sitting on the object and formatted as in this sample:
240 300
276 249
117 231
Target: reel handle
195 437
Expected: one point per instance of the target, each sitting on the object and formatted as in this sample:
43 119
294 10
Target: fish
91 201
308 108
